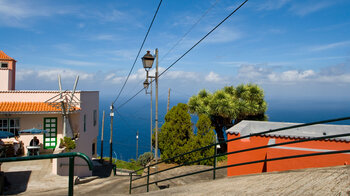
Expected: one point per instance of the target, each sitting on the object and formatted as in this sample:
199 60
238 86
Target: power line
203 38
137 56
192 27
188 50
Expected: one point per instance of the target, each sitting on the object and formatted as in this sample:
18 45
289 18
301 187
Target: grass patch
131 165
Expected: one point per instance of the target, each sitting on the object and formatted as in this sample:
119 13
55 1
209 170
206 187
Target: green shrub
68 143
177 137
145 158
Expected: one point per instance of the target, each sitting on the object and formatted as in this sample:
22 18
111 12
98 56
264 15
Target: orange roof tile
29 107
4 56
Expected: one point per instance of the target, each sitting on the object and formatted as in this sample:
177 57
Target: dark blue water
136 116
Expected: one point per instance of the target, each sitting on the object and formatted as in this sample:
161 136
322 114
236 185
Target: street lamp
147 61
145 85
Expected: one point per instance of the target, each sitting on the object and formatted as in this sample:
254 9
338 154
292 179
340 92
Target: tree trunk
221 138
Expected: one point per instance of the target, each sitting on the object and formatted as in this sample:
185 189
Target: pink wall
29 95
4 78
8 76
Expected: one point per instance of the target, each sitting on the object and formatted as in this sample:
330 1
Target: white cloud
213 77
183 75
224 35
79 63
51 74
297 8
107 37
122 54
330 46
15 13
111 15
263 74
252 73
65 74
272 4
310 7
291 76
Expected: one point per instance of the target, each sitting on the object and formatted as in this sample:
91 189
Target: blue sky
293 49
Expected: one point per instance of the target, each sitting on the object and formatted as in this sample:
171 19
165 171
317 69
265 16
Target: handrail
250 135
69 155
248 163
248 149
244 150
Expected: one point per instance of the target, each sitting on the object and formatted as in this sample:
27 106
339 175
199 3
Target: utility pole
137 144
156 119
167 110
103 127
111 136
151 117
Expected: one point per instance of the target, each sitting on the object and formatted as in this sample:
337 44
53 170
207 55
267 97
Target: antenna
73 91
67 102
59 84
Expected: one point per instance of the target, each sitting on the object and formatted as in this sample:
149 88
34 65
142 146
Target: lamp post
146 84
147 61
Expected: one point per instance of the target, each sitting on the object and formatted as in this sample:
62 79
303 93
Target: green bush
177 136
145 158
68 143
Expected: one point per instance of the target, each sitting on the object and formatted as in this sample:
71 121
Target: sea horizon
135 117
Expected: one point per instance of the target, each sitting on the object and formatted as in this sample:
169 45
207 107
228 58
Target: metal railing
70 155
239 151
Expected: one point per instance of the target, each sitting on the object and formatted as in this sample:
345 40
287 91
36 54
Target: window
9 124
95 117
93 148
4 65
84 122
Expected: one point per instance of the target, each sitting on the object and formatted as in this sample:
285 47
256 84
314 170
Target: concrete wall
4 78
29 96
8 76
89 103
281 151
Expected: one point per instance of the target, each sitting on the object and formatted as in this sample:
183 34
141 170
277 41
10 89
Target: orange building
249 127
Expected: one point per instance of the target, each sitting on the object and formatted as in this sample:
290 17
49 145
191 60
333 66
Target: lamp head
145 84
147 60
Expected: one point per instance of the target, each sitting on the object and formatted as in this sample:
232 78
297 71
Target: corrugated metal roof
25 107
247 127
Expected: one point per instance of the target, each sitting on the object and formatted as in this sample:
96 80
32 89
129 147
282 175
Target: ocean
135 116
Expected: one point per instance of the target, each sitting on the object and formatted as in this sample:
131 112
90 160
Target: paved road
319 181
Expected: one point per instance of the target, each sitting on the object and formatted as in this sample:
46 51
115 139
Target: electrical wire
137 56
203 38
187 51
192 27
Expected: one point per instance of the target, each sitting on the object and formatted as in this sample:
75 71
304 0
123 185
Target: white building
26 109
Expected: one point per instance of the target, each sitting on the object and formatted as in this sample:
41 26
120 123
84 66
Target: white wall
89 103
4 79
